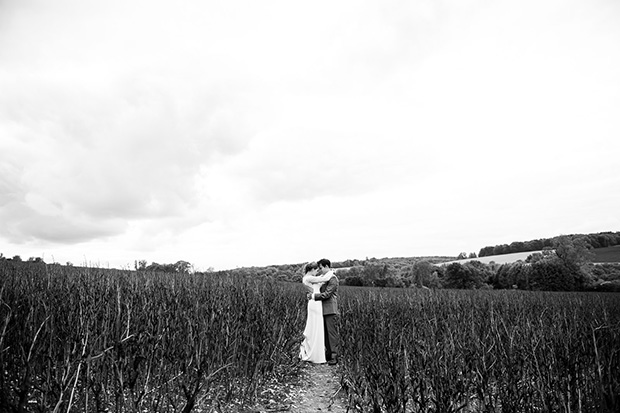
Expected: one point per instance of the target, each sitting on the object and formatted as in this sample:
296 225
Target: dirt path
319 390
316 390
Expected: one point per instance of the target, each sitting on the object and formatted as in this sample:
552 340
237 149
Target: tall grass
482 351
90 340
101 340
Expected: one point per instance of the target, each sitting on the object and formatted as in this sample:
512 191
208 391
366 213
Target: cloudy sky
239 133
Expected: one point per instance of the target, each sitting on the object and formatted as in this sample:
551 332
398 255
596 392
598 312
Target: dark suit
329 297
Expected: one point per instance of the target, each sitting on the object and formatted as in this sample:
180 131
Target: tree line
596 240
566 265
181 266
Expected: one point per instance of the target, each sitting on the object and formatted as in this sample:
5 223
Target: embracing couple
321 338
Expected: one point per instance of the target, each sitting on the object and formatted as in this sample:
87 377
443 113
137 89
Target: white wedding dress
313 347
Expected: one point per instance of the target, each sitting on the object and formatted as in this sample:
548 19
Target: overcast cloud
240 133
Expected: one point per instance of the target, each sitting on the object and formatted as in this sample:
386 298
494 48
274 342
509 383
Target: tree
516 246
574 252
565 268
575 255
421 274
381 282
486 251
461 277
352 276
182 267
385 277
501 249
480 272
534 245
156 267
370 273
499 279
434 281
518 276
551 275
354 280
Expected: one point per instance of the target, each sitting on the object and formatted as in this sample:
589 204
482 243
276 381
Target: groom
329 297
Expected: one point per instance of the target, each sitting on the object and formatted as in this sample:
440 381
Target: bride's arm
319 279
306 282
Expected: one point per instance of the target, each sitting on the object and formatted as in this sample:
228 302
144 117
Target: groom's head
324 265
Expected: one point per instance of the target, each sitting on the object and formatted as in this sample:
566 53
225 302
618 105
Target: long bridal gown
313 347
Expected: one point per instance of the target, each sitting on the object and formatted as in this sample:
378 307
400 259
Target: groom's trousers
332 338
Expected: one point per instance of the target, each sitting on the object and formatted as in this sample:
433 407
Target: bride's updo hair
310 266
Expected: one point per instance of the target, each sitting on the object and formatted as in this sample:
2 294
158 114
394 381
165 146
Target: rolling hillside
601 255
608 254
499 259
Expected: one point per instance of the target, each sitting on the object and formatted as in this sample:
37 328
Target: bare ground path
316 390
319 390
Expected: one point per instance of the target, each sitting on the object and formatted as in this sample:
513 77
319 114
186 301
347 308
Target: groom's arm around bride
329 295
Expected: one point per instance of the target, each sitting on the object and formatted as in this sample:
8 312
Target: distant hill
601 255
498 259
394 262
595 240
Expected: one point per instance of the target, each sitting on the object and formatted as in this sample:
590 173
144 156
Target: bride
313 347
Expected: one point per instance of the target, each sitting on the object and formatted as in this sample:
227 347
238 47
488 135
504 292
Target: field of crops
482 351
607 254
75 339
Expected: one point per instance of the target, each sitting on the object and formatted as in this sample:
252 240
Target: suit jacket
329 296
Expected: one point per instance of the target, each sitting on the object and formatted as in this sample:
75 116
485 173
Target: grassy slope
498 259
608 254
